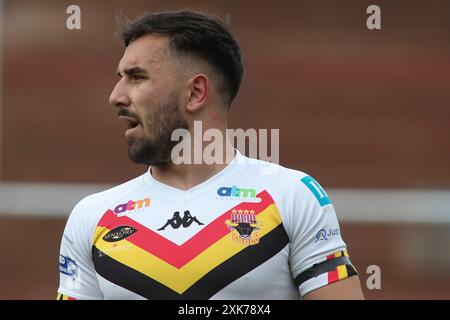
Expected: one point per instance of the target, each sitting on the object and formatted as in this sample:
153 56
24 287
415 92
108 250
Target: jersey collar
212 181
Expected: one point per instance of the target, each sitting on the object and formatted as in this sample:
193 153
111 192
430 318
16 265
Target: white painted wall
352 205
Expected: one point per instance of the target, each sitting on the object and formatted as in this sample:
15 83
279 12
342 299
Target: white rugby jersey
255 230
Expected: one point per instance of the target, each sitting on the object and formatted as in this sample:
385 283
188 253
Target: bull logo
244 227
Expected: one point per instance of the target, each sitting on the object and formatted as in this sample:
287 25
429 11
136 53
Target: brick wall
355 108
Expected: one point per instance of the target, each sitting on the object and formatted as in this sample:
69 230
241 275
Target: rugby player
198 231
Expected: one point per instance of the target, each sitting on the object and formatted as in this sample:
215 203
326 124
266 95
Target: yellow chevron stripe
181 279
342 272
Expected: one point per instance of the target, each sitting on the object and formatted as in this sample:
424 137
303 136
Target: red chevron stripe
333 276
172 253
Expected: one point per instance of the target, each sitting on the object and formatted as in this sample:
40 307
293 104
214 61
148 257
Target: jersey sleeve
76 270
318 255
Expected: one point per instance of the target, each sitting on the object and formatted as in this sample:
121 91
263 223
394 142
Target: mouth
130 123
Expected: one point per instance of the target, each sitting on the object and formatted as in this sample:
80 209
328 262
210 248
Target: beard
155 148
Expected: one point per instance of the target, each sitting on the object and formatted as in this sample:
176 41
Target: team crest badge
244 227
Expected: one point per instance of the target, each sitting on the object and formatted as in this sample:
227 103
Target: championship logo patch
244 227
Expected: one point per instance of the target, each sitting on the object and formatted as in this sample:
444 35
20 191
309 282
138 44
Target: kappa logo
119 233
244 227
176 221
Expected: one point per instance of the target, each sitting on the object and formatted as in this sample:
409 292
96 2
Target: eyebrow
132 71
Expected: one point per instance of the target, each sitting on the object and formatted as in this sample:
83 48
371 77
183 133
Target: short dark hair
195 33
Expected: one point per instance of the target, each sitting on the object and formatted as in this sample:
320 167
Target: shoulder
280 180
97 203
299 198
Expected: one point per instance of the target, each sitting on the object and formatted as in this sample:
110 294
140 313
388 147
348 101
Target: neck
187 175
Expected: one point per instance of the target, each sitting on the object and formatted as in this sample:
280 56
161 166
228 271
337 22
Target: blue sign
317 190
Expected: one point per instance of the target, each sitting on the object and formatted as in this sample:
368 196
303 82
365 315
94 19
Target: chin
145 154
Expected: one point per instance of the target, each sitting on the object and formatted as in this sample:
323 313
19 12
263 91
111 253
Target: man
256 236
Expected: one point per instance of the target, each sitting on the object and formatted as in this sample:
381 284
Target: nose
119 96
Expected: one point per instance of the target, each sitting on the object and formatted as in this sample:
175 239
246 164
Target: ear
198 92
